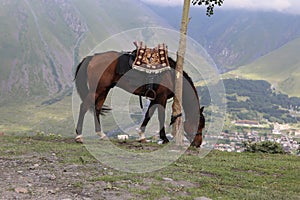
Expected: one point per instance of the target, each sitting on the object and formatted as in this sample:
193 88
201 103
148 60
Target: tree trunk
177 130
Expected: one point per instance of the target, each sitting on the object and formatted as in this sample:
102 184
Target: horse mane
185 75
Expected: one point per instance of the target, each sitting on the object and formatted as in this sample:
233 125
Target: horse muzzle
197 140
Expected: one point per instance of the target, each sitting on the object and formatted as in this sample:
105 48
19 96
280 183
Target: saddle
151 60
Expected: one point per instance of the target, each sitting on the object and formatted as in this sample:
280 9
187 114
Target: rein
174 117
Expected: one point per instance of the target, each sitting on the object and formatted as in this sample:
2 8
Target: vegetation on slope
256 100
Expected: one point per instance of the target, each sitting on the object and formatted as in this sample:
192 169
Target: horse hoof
194 144
165 141
79 139
143 140
104 138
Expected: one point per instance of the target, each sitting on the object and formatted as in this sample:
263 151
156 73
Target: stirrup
150 91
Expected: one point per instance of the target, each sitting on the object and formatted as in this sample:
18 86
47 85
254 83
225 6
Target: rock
110 173
170 136
123 137
160 142
51 191
21 190
51 177
167 179
108 186
35 166
202 198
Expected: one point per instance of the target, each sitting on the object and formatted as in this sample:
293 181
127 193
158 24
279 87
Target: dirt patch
44 177
51 168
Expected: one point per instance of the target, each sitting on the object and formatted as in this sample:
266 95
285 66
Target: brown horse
97 74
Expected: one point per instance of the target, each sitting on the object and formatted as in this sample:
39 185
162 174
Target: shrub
264 147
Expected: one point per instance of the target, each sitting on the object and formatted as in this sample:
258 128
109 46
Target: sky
287 6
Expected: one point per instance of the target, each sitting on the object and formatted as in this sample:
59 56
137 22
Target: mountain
42 40
280 67
236 37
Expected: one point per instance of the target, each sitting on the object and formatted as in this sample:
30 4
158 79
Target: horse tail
81 77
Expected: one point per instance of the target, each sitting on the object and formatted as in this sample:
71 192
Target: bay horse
96 75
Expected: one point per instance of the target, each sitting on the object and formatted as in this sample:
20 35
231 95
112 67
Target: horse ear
202 109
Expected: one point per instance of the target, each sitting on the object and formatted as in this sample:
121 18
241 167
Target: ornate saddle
151 60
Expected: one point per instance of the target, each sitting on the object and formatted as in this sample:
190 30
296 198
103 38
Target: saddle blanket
152 61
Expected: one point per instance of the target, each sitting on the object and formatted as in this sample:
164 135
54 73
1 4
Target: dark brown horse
97 74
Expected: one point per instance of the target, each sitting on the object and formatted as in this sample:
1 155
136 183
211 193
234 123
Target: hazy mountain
41 40
236 37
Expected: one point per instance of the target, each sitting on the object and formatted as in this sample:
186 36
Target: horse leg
98 129
97 112
161 119
148 115
197 140
84 107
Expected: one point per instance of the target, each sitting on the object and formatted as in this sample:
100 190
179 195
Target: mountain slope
280 67
41 41
236 37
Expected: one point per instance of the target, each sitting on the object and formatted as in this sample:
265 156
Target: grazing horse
97 74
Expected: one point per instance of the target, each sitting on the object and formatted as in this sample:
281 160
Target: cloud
164 2
288 6
278 5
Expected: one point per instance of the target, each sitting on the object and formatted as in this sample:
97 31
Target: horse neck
190 103
190 100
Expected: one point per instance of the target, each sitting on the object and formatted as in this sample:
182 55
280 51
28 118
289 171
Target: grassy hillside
41 41
37 62
280 67
34 117
255 100
41 162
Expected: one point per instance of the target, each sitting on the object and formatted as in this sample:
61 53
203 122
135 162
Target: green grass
219 175
31 116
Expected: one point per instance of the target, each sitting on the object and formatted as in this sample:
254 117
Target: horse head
194 127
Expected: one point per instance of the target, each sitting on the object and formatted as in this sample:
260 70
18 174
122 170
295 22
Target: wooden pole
177 129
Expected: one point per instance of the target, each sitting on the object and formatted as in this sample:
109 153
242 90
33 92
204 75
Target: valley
256 54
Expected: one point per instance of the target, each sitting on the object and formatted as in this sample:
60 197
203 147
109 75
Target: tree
210 4
176 107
